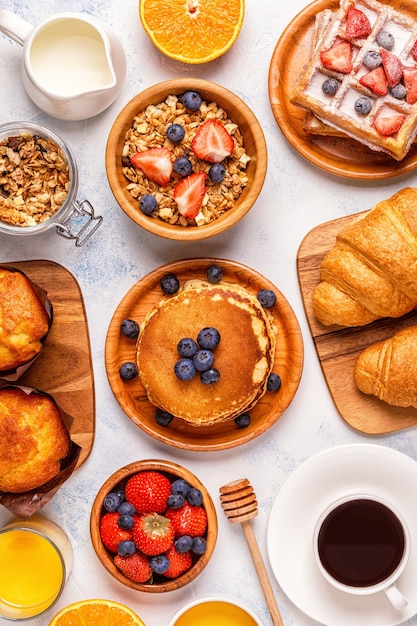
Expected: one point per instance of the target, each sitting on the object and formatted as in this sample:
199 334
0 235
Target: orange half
192 31
96 613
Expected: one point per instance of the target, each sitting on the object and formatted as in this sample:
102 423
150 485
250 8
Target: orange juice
215 612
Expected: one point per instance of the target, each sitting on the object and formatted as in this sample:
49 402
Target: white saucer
331 474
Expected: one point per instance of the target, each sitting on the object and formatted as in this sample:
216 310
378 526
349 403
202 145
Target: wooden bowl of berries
186 159
153 526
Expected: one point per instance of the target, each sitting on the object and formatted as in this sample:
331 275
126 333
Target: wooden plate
342 156
64 367
132 396
338 348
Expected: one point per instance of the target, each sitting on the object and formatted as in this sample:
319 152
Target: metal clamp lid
80 224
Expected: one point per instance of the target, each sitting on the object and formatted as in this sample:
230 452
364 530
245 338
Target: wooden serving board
338 348
64 367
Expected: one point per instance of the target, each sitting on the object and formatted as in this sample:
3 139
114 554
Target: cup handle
398 601
14 26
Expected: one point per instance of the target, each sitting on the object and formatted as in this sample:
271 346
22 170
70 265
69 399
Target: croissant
371 271
388 369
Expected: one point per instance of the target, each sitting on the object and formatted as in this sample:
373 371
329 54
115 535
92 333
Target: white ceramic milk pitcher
73 66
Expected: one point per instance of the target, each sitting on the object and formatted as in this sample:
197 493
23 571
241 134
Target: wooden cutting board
64 367
338 348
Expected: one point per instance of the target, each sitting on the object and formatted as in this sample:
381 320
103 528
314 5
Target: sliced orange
192 31
96 613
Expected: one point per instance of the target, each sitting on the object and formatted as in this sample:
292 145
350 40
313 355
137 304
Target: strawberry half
153 534
148 491
413 51
110 533
179 562
388 125
357 24
188 520
410 83
338 57
376 81
392 66
212 142
135 567
155 163
189 194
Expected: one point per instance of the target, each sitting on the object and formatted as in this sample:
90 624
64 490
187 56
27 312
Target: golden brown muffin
24 321
244 356
33 439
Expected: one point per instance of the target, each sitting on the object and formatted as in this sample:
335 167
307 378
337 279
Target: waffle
338 110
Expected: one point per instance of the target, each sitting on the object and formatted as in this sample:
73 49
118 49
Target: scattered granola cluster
34 178
149 130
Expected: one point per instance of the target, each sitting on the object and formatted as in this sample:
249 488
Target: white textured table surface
296 197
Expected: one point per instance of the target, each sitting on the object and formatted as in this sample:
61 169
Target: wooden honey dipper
239 503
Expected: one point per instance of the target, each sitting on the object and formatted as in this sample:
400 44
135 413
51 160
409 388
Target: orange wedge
192 31
96 613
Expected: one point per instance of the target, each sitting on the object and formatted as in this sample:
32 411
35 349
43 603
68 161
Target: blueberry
217 172
159 563
130 329
147 203
184 543
199 545
242 420
330 86
266 298
208 338
163 418
128 371
169 284
175 133
385 40
399 91
372 60
192 100
214 274
126 522
184 369
175 501
187 347
194 497
208 377
363 105
121 494
126 508
180 486
126 547
274 382
111 502
183 166
203 360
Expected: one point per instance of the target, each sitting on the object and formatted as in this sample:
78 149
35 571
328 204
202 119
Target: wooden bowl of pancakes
245 173
173 472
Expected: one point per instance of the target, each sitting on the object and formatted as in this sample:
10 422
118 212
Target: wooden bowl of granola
137 482
198 201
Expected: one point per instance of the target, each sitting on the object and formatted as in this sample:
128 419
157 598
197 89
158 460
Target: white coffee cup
362 545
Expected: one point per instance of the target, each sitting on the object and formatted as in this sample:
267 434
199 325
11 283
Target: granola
149 131
34 179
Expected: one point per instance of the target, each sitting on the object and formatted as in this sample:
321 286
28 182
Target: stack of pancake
244 356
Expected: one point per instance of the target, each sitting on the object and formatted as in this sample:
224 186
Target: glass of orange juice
36 560
219 611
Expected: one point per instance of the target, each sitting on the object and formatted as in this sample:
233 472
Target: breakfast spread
184 160
242 361
387 369
362 76
24 320
33 439
370 272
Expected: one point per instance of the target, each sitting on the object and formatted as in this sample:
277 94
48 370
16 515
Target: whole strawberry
178 563
153 533
135 567
110 532
148 491
188 520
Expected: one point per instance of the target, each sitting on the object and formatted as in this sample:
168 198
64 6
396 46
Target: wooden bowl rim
174 469
236 108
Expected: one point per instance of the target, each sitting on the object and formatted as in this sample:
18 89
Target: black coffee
361 543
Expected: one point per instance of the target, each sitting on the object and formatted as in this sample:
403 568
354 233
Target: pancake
244 356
